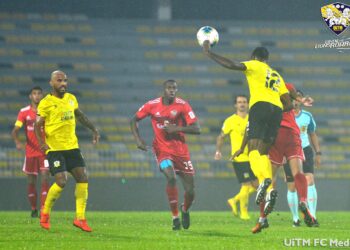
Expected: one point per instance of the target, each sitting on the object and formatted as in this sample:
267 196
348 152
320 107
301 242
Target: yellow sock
251 190
53 194
237 197
267 169
244 200
256 164
81 195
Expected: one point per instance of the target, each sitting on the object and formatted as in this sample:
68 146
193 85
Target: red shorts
182 164
34 165
287 146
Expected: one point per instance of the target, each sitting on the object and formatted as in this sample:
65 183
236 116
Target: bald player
58 111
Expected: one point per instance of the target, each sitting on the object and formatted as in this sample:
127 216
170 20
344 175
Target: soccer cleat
296 223
176 224
271 198
185 218
308 218
233 204
82 224
244 217
261 191
34 213
316 224
45 221
260 226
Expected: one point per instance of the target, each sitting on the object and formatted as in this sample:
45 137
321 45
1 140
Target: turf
152 230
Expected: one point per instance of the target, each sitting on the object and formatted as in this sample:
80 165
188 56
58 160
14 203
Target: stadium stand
114 66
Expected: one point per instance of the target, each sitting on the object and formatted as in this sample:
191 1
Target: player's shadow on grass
212 234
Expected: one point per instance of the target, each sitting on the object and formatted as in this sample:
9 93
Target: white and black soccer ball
207 33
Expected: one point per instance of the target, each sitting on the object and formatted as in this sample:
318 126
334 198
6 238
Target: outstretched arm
287 102
82 118
306 101
135 131
222 60
191 129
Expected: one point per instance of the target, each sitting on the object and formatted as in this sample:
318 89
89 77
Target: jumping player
171 118
267 90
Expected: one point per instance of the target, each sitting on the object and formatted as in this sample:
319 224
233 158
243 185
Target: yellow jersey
265 84
59 121
235 126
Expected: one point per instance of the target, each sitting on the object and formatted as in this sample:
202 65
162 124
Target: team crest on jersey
336 16
71 102
173 112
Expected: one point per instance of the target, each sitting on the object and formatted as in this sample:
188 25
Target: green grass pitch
152 230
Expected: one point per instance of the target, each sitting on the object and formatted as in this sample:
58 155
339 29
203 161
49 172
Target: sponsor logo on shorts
56 164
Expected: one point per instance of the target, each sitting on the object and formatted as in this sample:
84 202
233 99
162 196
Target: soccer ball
207 33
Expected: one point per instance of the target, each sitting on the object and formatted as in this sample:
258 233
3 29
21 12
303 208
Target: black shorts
65 160
288 173
243 171
308 164
264 121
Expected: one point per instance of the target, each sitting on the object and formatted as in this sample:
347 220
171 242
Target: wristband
319 153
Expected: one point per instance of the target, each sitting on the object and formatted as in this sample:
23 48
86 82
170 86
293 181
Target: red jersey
27 117
178 113
288 118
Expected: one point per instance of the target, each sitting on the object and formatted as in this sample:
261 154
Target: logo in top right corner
336 16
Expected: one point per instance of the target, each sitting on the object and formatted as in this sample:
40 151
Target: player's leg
31 170
44 179
308 168
32 194
57 166
301 187
188 184
292 195
246 177
167 168
52 196
271 196
76 166
44 175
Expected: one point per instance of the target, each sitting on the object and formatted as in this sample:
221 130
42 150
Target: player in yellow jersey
58 111
235 127
267 91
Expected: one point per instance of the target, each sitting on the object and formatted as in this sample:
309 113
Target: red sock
188 199
44 190
301 186
173 199
262 206
32 195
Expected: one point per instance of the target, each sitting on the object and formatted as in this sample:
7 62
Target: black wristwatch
319 153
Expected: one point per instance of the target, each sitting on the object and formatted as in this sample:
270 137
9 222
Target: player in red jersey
287 147
171 119
34 158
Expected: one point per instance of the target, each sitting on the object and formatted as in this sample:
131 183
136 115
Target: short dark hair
168 81
240 95
35 88
261 53
300 92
